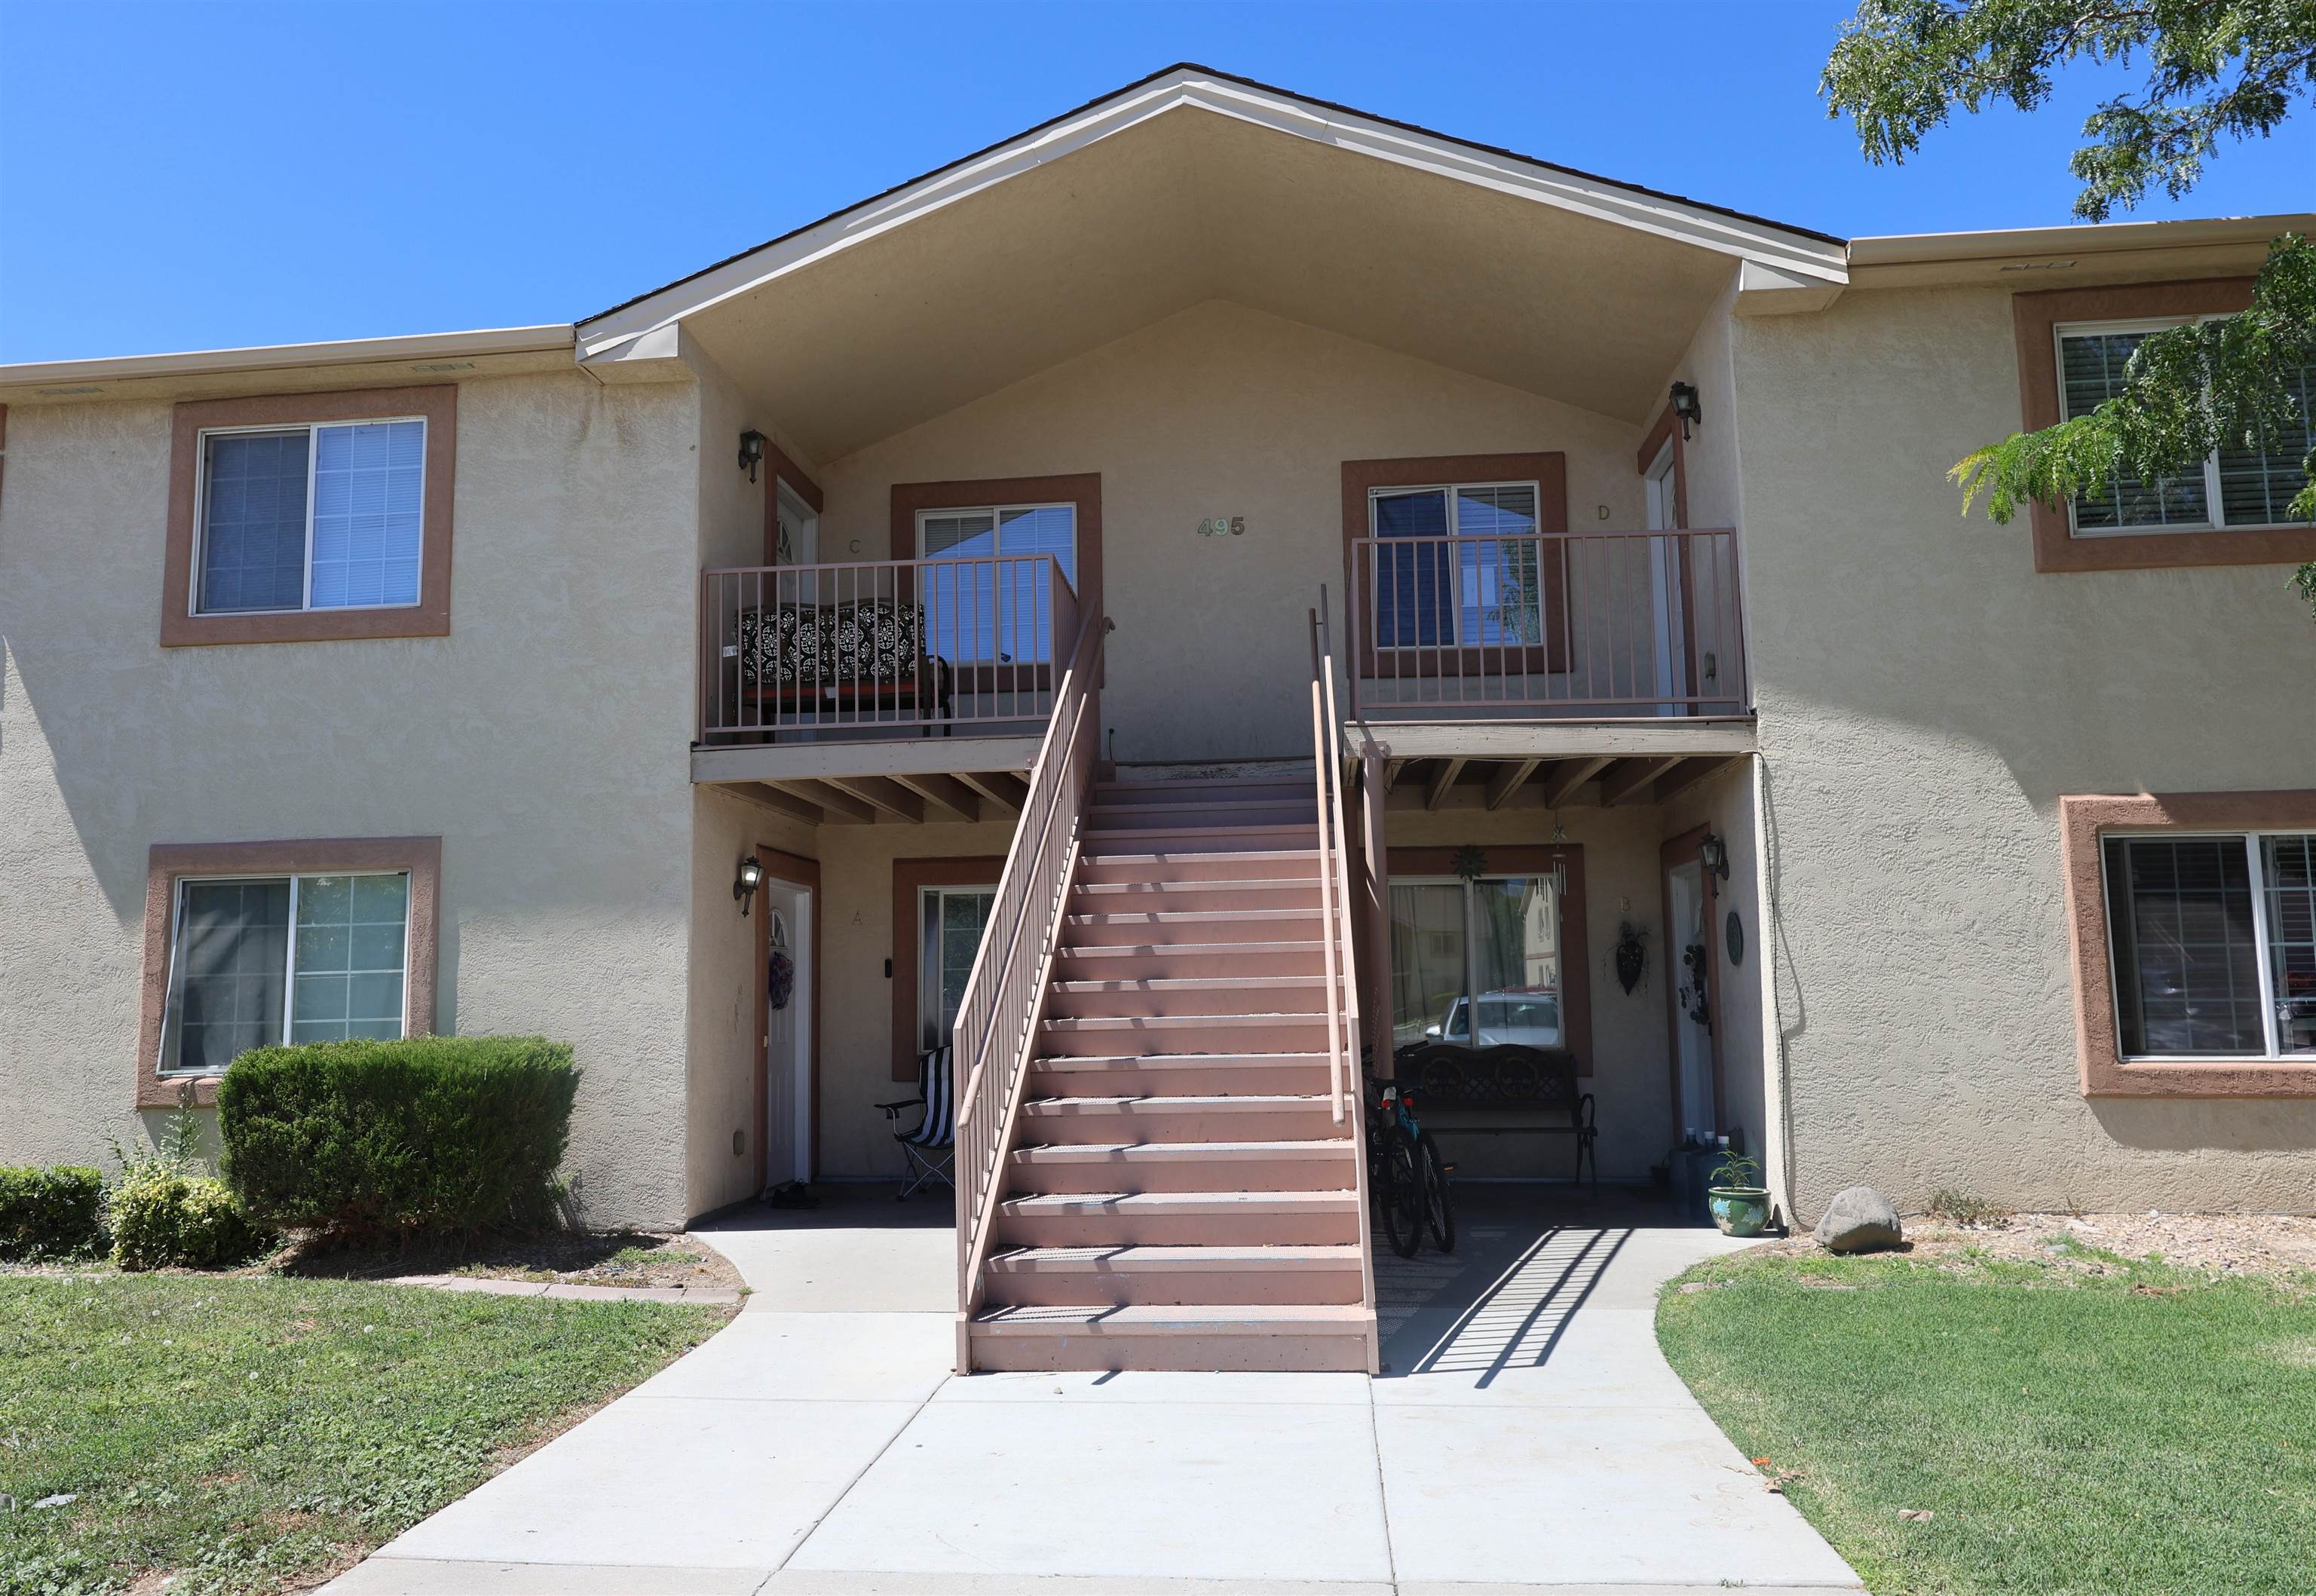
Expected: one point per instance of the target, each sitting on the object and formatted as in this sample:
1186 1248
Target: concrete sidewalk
1528 1438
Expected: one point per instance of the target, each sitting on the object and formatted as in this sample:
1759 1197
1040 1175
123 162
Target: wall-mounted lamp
743 887
752 451
1686 405
1713 854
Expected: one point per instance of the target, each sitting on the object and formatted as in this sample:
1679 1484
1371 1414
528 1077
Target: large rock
1860 1220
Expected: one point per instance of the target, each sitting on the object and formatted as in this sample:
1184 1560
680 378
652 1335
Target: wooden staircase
1178 1192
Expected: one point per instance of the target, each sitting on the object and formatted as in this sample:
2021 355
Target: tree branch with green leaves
2215 69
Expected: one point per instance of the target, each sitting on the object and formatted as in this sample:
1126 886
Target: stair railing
1004 997
1343 991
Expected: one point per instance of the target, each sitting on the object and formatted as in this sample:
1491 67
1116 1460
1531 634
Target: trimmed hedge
54 1212
387 1138
166 1218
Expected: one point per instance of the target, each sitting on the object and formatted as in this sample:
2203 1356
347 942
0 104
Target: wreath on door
781 981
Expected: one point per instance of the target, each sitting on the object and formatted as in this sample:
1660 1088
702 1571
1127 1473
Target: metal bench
1535 1079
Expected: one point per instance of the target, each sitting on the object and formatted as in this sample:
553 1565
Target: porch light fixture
752 451
1686 404
752 875
1713 854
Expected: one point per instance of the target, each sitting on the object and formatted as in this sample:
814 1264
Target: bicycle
1407 1175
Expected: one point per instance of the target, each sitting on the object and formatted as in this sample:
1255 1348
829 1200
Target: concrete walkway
1527 1438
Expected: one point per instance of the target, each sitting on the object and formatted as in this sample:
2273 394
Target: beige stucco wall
724 990
1926 698
1221 410
543 740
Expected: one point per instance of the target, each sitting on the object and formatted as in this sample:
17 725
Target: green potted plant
1739 1201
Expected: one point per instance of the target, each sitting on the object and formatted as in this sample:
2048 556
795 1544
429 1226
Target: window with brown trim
1499 960
2072 345
1081 493
255 944
2194 927
934 937
310 517
1472 589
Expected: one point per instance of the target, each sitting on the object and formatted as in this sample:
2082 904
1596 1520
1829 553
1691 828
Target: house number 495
1222 526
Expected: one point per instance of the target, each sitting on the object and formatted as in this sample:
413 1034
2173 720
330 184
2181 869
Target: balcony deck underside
1563 762
901 781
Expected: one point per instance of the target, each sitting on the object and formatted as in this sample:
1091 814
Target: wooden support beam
886 794
784 803
947 791
1561 784
994 786
839 803
1676 782
1508 780
1390 769
1449 769
1634 778
1012 790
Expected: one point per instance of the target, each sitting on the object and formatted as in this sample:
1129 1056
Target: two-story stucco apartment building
953 560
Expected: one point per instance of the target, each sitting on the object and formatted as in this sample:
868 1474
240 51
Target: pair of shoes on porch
790 1194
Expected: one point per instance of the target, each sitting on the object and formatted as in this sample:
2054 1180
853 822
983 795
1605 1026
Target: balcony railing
1581 625
810 652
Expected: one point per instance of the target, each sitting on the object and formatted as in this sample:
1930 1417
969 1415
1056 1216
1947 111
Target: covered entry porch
1586 893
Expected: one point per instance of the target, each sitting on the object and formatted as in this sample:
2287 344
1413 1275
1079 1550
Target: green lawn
247 1431
2144 1430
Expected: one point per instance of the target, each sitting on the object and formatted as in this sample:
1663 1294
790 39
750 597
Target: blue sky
190 176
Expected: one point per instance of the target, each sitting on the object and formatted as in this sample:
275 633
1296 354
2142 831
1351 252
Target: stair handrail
996 1028
1335 920
1342 988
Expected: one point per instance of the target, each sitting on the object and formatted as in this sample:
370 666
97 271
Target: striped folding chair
928 1146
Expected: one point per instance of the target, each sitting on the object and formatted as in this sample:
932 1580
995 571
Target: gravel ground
2224 1244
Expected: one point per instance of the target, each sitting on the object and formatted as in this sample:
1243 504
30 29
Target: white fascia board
2080 238
350 352
1693 225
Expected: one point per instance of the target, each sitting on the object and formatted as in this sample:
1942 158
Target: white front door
787 1031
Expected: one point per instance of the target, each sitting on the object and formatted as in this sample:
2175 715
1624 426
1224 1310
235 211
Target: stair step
1200 1166
1186 1033
1181 1219
1160 839
1232 813
1201 1335
1180 997
1190 865
1080 1024
1189 960
1172 1260
1131 1153
1265 788
1062 1108
1117 898
1180 1204
1184 1074
1106 1277
1205 925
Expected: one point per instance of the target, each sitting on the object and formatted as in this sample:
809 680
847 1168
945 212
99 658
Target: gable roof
1795 251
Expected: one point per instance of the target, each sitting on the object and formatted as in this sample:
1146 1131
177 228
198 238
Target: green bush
163 1217
385 1138
53 1212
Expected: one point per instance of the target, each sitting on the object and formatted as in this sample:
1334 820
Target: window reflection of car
1521 1019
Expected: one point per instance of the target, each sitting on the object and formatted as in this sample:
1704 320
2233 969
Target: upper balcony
873 688
1617 655
1552 626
